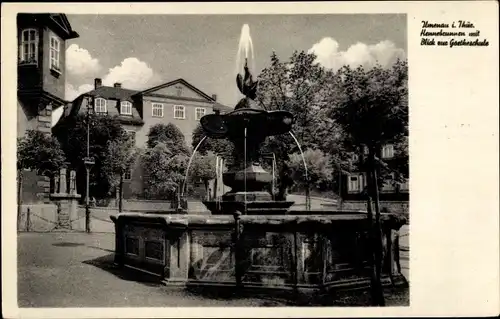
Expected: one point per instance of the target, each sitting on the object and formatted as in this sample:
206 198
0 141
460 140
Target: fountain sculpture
247 127
250 241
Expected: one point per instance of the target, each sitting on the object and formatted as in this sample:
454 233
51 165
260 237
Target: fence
47 218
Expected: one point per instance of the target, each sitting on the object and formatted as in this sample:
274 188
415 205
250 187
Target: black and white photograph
214 160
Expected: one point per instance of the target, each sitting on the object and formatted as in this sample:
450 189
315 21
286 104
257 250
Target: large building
177 102
40 83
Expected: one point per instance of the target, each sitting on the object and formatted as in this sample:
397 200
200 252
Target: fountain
247 127
251 241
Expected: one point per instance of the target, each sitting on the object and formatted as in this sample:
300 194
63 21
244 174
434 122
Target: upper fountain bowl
261 122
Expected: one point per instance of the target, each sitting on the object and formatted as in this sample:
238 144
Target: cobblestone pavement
73 270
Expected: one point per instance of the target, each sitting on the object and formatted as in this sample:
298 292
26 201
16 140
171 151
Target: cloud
80 62
384 53
132 73
73 92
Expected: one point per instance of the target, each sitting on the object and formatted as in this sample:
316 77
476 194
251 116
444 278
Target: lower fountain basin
250 208
307 255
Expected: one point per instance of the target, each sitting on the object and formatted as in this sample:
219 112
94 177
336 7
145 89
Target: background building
393 195
177 102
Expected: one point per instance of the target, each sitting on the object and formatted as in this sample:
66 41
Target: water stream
305 168
189 165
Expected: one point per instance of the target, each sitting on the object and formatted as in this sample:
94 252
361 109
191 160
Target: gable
179 88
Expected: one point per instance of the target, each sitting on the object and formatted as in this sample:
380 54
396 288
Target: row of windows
387 152
101 107
356 184
179 111
157 109
28 49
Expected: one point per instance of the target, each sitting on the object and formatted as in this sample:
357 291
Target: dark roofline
206 96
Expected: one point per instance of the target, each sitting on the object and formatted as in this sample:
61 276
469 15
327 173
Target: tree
319 169
170 135
121 155
220 147
72 134
203 167
299 86
371 108
165 170
37 151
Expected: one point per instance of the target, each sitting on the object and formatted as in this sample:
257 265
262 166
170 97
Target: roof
110 92
222 108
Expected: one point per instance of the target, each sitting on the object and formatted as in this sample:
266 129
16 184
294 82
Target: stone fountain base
309 255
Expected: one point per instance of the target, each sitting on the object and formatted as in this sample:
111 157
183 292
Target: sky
141 51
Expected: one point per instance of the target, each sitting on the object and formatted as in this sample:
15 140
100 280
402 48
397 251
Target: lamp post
88 162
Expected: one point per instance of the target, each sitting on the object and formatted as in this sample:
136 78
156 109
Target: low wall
399 207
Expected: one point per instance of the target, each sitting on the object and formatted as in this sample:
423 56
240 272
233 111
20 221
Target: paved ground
74 270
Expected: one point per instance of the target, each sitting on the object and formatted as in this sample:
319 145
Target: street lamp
88 162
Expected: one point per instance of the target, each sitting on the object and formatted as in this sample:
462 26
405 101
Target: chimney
214 96
97 83
117 85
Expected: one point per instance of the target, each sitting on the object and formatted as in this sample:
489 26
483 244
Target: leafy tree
220 147
39 151
121 155
371 108
319 169
299 86
203 167
72 134
170 135
165 171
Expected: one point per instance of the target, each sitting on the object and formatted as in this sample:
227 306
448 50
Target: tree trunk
375 232
19 197
120 195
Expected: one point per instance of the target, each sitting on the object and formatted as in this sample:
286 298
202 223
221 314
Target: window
179 112
128 175
200 112
55 49
126 108
28 52
388 151
100 105
355 183
157 110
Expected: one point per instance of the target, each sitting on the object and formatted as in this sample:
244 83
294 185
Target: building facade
41 40
392 195
177 102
